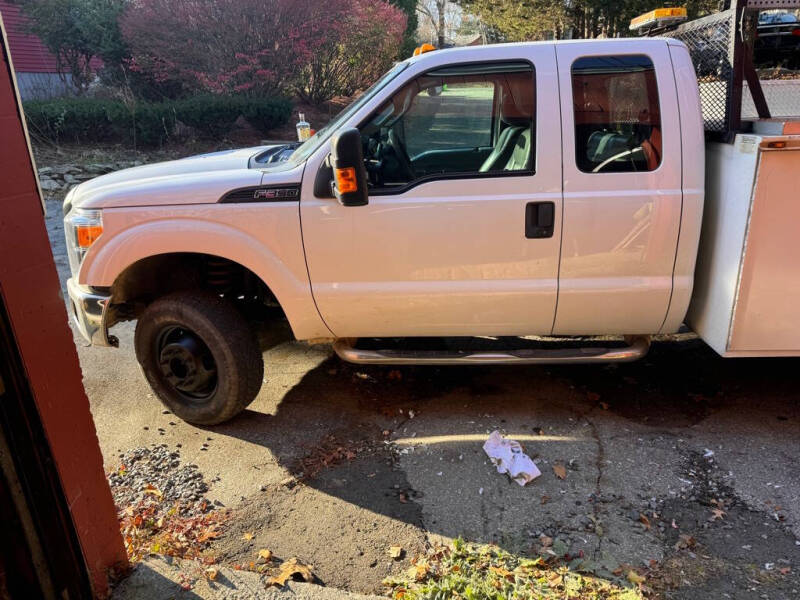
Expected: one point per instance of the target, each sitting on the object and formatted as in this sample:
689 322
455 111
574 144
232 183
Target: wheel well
150 278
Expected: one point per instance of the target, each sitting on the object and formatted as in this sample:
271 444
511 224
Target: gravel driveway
334 463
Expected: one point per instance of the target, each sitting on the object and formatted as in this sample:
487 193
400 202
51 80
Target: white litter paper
508 457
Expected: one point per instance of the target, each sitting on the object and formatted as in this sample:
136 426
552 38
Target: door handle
540 218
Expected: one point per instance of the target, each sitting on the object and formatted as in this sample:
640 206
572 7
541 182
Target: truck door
461 233
622 186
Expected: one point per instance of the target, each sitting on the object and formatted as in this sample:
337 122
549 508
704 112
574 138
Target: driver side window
468 121
450 116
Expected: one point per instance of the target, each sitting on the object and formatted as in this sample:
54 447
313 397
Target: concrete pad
163 578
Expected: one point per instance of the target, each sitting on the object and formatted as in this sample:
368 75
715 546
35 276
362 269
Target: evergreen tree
409 7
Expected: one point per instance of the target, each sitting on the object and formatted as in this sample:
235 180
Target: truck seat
652 149
506 143
520 159
516 113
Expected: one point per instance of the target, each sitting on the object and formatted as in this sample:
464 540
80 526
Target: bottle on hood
303 128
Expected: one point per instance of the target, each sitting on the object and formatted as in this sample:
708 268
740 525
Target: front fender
264 239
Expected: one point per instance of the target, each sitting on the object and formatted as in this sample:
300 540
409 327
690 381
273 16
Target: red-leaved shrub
262 47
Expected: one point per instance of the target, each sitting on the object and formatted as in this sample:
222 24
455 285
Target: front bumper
89 308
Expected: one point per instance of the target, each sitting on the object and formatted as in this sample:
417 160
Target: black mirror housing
349 174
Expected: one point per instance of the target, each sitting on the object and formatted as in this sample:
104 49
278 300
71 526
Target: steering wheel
373 161
611 159
402 158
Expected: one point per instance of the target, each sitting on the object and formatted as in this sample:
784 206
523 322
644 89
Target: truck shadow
331 431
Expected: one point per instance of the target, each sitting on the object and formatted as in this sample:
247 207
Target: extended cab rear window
617 116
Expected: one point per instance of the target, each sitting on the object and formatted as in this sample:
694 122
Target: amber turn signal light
87 234
346 180
423 49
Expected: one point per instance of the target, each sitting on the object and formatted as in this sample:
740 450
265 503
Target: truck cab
516 189
547 189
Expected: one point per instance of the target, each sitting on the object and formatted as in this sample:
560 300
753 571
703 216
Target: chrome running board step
637 348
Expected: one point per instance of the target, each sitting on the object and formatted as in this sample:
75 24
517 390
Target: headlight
82 228
67 205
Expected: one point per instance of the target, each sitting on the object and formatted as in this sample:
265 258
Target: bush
213 116
84 120
322 49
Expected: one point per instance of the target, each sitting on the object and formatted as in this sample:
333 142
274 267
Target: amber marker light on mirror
346 180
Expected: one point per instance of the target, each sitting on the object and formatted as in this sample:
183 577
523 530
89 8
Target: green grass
478 572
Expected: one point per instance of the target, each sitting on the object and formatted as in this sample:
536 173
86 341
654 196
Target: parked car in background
778 40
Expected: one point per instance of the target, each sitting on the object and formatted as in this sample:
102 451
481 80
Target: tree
77 31
263 47
409 7
441 17
520 21
220 46
351 44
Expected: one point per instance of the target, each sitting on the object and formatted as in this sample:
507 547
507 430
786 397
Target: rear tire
200 356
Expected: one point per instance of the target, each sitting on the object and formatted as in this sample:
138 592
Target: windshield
316 140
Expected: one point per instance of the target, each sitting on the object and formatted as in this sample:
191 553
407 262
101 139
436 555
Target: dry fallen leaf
604 405
716 513
546 541
209 534
265 554
560 471
291 569
635 578
211 573
149 489
502 572
644 521
247 536
593 396
419 571
545 498
395 551
684 542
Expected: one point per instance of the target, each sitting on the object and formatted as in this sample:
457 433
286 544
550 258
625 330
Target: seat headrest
517 98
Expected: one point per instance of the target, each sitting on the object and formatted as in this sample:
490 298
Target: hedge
89 120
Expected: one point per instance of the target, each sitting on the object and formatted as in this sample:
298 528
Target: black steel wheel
186 363
200 356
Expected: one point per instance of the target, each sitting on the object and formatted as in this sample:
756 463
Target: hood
194 180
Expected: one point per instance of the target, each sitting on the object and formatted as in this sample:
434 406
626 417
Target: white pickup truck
551 189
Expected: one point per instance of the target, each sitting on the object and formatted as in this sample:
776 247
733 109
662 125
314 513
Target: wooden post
32 296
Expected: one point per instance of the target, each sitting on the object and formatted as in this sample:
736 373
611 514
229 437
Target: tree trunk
441 5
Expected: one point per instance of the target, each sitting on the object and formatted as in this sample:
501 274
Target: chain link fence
711 41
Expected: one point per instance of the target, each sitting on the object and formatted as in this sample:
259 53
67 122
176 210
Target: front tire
200 356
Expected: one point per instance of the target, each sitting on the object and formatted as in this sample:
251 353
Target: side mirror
349 174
